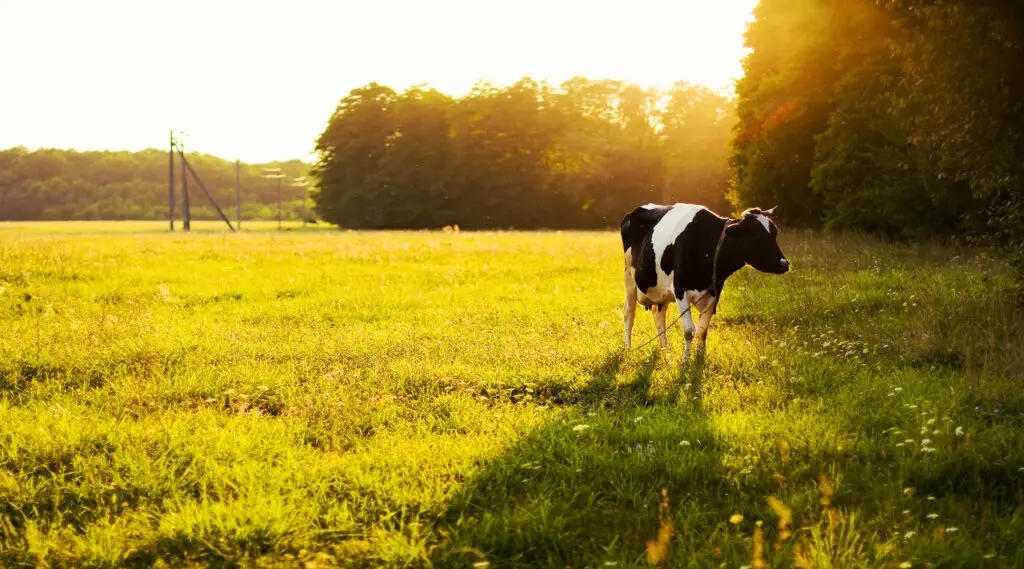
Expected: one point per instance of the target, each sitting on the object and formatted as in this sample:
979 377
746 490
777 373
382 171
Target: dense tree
898 117
528 155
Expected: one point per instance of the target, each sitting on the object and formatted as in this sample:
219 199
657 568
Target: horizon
262 81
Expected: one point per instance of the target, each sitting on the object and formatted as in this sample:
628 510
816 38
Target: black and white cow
670 255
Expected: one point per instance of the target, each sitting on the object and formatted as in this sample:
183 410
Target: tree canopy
529 155
896 117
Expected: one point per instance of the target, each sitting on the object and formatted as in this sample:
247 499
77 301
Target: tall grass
441 399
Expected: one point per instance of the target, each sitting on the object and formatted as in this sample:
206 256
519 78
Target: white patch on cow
650 206
764 222
664 234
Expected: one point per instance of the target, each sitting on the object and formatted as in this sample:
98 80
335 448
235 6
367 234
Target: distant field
461 400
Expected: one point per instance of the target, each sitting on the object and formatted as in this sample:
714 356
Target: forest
54 184
897 118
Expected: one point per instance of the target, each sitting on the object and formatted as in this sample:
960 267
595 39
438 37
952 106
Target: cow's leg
688 329
629 310
702 328
659 323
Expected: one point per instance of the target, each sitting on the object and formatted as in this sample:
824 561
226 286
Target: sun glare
258 80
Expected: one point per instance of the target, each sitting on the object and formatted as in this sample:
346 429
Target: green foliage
392 399
51 184
901 118
524 156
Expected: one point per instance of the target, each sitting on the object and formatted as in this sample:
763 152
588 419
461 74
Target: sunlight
259 81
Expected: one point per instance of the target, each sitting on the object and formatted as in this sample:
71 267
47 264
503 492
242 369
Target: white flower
638 419
951 530
925 441
928 450
935 432
932 516
931 421
909 441
898 445
906 512
959 431
580 428
684 443
931 498
897 389
908 535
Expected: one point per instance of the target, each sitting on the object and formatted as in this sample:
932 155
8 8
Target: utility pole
238 194
275 173
170 195
187 222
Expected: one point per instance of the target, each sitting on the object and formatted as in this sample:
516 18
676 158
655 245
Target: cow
683 253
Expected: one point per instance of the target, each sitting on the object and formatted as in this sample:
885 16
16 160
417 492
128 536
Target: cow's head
756 235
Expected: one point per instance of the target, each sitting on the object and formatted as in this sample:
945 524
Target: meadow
321 398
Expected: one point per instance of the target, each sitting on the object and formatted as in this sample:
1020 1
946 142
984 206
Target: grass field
326 398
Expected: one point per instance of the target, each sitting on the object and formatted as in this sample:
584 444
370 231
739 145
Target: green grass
416 399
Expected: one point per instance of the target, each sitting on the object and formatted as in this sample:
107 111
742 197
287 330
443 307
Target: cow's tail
624 229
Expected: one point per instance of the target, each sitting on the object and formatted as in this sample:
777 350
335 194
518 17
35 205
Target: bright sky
257 80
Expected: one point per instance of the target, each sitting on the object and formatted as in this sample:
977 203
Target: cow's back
639 224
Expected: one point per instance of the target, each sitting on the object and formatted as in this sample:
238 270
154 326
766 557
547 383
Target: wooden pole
170 195
209 196
238 194
279 204
187 213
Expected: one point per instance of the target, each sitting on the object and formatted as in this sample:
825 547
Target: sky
257 80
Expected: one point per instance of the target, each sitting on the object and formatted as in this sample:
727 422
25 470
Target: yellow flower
735 519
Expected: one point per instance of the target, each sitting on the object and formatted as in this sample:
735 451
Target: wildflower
928 450
925 441
959 431
906 565
898 389
952 529
931 421
610 563
735 519
935 432
932 516
580 428
931 498
684 443
638 419
906 512
909 441
898 445
909 535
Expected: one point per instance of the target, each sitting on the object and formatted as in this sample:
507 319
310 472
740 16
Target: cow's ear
770 211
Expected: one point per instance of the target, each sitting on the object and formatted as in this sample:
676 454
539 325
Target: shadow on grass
585 488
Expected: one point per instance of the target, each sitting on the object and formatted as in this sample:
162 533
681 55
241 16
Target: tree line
53 184
896 117
524 156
